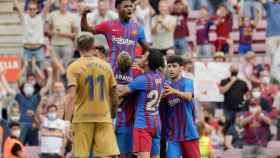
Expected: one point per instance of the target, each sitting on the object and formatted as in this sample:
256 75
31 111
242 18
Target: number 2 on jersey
153 101
100 80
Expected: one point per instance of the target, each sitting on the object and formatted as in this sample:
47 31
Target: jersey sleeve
188 86
72 76
141 34
138 84
103 27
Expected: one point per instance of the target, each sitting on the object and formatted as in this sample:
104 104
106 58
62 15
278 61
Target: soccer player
122 34
149 88
125 73
182 134
91 91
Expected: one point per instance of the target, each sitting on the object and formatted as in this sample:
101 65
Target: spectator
163 27
234 133
203 24
251 8
196 4
205 144
63 30
272 32
144 13
256 131
219 57
188 69
251 69
103 13
58 98
268 90
276 105
13 147
53 133
33 31
246 30
223 28
234 90
28 100
256 97
180 11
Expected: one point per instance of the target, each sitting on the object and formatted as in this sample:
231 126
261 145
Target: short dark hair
52 106
155 59
14 124
118 2
85 41
175 59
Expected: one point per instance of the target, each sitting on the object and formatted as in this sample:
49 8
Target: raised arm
5 84
48 85
84 22
46 9
19 9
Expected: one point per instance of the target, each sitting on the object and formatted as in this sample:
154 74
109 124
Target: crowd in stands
251 103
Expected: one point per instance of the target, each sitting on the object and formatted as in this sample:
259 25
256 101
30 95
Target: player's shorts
125 142
96 138
146 140
244 48
186 149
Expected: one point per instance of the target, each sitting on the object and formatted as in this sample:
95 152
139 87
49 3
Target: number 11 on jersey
91 80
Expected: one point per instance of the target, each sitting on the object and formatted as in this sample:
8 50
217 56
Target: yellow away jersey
94 78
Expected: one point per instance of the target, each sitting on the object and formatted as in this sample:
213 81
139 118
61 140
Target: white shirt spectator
162 38
144 18
50 141
33 29
63 23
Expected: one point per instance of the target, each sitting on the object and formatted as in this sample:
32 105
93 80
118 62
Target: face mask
253 109
3 95
33 82
52 116
28 91
265 80
256 94
16 133
15 118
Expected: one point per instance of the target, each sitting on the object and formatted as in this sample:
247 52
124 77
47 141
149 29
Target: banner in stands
10 63
208 76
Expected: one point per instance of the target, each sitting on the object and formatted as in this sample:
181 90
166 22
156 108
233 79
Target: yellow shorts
96 138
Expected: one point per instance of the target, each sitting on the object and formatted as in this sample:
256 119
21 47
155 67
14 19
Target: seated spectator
180 11
256 131
203 24
163 27
13 147
33 31
256 98
53 133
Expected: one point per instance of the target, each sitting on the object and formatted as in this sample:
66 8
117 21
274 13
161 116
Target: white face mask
15 118
265 80
28 90
253 109
3 95
256 94
52 116
16 133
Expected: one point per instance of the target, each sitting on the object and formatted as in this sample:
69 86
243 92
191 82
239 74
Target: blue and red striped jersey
126 110
149 89
121 36
181 113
